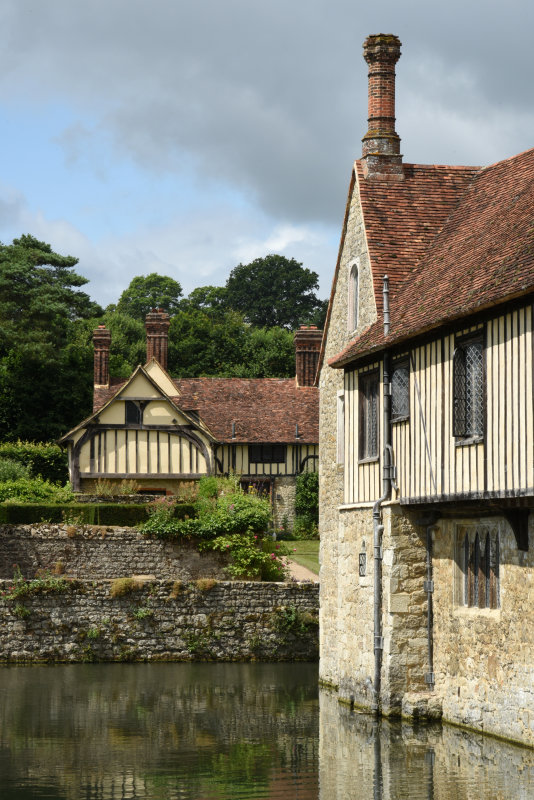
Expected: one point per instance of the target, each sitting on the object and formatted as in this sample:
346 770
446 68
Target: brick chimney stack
157 335
307 346
381 144
101 343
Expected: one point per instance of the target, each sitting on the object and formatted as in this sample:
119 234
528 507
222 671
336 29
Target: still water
217 731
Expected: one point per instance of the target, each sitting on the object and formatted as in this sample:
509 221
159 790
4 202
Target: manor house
426 435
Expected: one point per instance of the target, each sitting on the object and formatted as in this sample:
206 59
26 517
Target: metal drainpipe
377 533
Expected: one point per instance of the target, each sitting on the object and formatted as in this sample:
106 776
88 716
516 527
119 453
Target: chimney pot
381 144
101 344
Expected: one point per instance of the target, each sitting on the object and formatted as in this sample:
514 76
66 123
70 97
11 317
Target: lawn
307 553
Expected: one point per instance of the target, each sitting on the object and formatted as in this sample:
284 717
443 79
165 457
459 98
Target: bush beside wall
41 458
123 514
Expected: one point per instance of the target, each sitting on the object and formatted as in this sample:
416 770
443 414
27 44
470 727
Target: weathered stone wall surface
94 551
284 500
162 621
483 658
406 760
331 474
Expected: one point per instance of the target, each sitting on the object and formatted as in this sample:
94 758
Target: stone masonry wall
95 551
162 621
284 490
330 473
483 657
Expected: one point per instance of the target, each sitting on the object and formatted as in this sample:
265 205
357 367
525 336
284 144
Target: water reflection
206 731
361 758
159 731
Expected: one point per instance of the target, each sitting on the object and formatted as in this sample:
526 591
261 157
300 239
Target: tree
274 291
39 296
150 291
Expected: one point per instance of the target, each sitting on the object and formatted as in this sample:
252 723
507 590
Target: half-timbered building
165 433
427 435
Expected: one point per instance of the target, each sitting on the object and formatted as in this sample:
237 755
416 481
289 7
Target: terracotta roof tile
481 255
263 409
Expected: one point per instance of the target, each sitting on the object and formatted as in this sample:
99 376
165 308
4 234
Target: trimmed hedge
41 458
124 515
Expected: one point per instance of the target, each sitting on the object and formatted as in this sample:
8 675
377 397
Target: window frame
479 560
462 428
340 440
353 295
402 363
257 453
129 405
366 379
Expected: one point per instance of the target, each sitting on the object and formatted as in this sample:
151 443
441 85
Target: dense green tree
43 390
39 296
275 291
150 291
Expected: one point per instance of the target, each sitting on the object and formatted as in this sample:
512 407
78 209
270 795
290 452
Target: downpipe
378 530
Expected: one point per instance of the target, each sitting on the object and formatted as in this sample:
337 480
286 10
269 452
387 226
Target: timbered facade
427 435
163 432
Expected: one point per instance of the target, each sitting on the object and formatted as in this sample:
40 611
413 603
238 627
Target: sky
187 136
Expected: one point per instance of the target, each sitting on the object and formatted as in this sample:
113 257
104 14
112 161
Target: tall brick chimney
307 347
101 343
157 335
381 144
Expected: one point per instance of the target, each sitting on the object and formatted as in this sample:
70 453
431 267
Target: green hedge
41 458
84 513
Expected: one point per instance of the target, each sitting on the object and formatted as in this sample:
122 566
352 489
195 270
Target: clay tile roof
482 254
402 218
263 409
104 393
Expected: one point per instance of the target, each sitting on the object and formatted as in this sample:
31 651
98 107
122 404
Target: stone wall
395 759
161 621
94 551
284 490
483 658
331 475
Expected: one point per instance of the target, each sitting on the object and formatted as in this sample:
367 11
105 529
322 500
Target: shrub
40 458
11 470
127 515
107 488
28 490
307 496
123 586
305 528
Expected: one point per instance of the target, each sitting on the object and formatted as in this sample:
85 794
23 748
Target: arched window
480 566
353 297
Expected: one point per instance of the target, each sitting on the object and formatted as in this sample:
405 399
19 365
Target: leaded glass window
368 416
469 389
400 391
480 556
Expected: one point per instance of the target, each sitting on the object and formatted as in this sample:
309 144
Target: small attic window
132 413
353 297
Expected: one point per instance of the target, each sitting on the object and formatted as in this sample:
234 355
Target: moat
216 731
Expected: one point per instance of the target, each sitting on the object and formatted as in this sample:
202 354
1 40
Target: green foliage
44 459
11 470
307 506
147 292
305 528
46 584
228 521
20 611
123 514
31 490
290 619
143 612
106 488
275 291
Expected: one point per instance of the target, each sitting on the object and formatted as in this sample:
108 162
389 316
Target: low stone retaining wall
93 551
161 621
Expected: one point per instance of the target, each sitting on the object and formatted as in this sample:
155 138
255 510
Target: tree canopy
275 291
150 291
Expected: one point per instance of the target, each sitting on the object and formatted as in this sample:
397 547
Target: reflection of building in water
427 435
362 757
